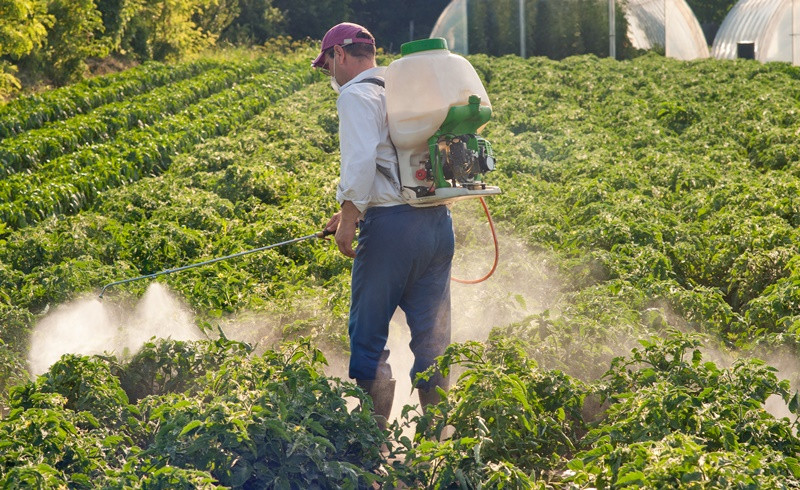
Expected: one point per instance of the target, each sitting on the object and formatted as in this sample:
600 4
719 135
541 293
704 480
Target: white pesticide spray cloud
92 326
782 359
81 327
159 314
523 283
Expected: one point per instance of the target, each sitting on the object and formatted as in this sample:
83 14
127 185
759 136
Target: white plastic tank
422 86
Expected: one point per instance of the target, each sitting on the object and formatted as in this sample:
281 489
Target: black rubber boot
382 393
431 395
381 390
428 397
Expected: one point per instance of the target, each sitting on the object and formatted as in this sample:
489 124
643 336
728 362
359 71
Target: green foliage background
663 194
52 42
711 11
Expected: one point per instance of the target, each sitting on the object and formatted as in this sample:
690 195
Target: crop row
34 111
30 149
69 184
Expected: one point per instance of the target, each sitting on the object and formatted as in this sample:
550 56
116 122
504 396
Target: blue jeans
403 259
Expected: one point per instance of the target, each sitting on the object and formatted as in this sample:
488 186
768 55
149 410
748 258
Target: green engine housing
458 156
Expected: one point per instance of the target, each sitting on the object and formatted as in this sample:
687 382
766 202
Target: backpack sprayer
436 106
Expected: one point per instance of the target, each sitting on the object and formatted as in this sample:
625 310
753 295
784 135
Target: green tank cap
423 45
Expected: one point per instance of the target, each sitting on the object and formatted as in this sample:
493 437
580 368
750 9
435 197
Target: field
643 328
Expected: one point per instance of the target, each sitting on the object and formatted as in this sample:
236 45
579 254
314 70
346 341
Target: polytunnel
645 20
773 26
670 24
452 25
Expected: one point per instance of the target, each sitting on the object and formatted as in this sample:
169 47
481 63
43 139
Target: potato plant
32 148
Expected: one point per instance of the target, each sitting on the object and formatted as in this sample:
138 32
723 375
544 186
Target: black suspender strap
376 81
383 170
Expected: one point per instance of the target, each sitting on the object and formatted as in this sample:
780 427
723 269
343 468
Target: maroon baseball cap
341 34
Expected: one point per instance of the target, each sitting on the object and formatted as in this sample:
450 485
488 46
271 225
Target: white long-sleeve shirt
364 144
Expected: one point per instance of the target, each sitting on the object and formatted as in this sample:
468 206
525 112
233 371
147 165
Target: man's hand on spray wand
344 223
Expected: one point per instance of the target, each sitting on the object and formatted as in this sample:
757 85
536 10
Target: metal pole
612 29
666 37
466 26
796 32
522 50
319 234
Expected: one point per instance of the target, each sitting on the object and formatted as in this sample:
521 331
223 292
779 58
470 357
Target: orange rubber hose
496 251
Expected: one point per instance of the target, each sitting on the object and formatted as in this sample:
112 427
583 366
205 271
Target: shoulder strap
386 173
376 81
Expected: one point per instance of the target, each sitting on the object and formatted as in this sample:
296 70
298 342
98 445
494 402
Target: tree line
710 14
53 39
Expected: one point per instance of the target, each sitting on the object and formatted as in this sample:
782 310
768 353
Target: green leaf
632 478
794 404
190 426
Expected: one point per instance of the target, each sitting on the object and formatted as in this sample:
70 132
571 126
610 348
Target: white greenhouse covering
670 24
773 25
646 22
452 25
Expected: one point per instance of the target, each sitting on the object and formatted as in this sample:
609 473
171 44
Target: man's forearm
350 212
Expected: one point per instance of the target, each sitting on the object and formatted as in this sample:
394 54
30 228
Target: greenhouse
642 23
452 25
649 22
770 27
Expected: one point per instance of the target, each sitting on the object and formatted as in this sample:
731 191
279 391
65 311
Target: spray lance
319 234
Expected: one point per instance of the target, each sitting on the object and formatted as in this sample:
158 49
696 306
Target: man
404 253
